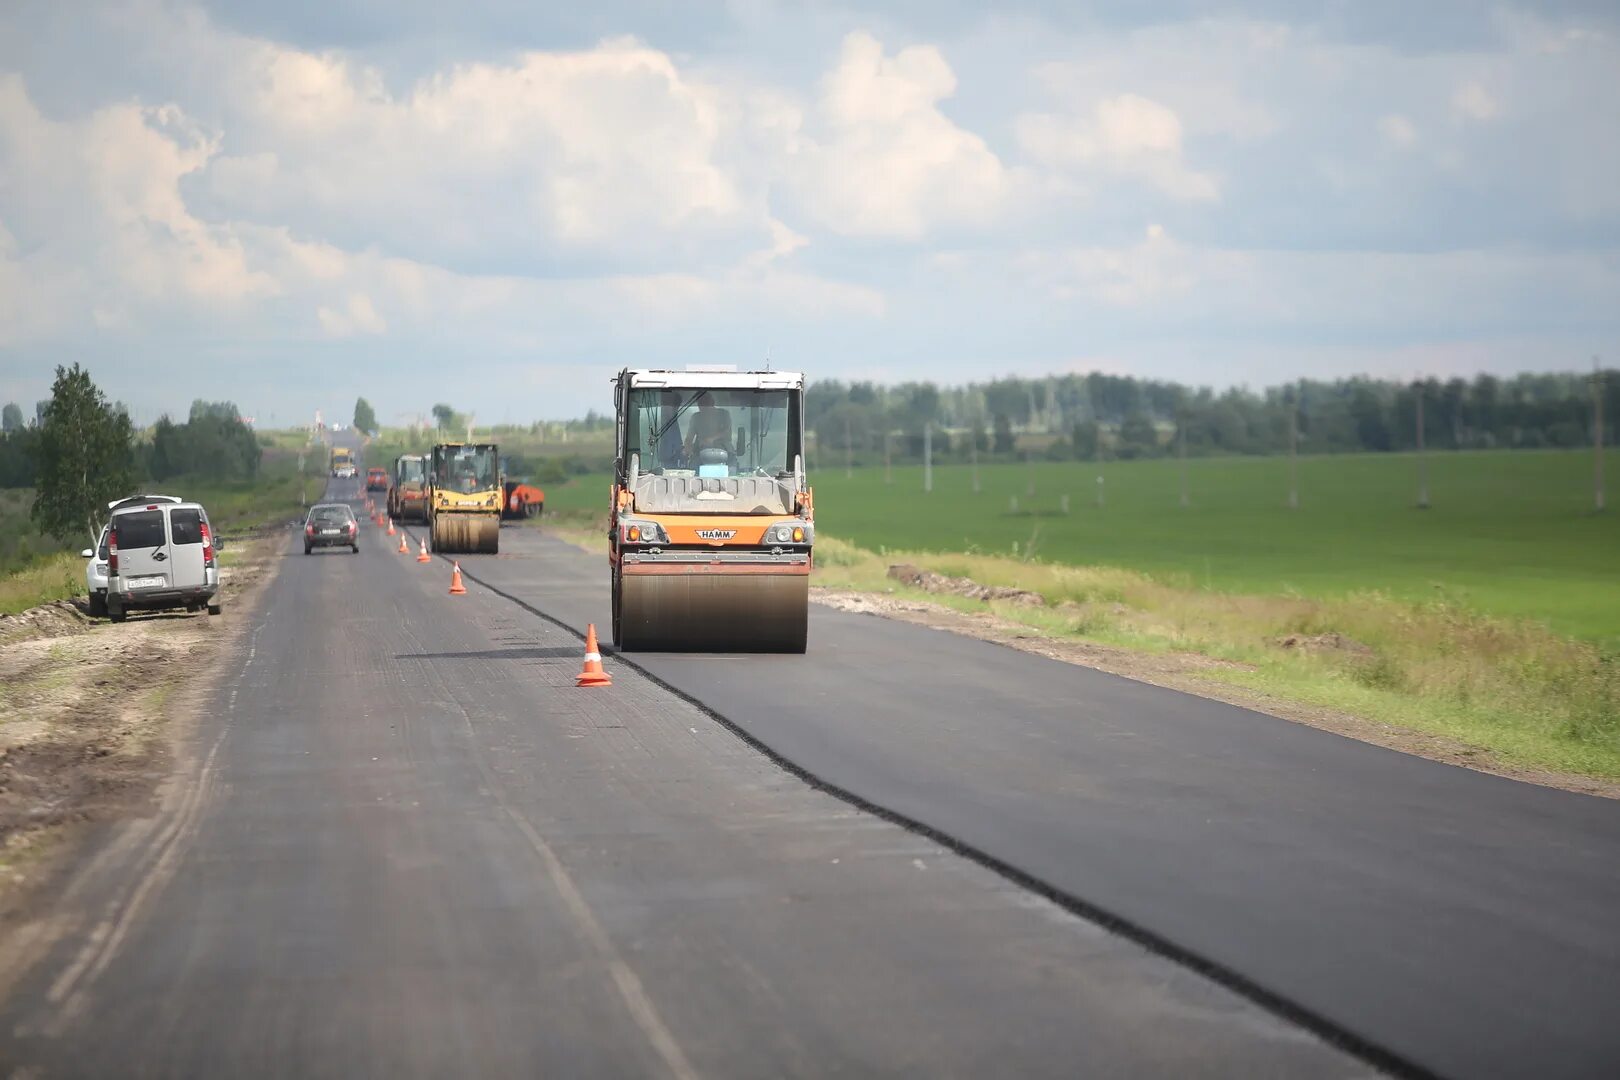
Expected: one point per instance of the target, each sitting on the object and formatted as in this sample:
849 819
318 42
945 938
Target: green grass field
1508 533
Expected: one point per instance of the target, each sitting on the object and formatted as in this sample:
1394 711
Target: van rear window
143 528
185 526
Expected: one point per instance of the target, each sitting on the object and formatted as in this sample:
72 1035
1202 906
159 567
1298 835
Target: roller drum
466 533
714 612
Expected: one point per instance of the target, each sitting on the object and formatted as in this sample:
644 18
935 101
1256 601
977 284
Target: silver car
160 555
95 574
95 567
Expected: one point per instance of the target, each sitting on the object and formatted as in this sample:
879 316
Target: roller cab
464 496
712 521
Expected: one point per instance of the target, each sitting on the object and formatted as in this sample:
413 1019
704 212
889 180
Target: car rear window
185 526
140 528
331 515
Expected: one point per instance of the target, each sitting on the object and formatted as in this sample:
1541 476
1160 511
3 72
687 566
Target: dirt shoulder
1188 672
89 710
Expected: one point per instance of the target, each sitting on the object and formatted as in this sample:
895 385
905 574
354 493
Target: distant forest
1082 416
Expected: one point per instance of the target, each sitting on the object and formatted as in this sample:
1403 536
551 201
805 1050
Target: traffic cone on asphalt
423 556
404 548
456 587
593 675
390 526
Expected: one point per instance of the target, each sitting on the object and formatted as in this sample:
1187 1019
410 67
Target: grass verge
1509 686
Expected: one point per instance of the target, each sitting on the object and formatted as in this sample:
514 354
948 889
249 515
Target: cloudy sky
499 204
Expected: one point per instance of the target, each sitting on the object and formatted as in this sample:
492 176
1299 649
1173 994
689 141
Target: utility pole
973 459
888 465
1293 449
1423 458
1597 434
1181 452
849 453
928 456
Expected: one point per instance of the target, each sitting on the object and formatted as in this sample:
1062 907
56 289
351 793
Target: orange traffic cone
391 528
404 548
456 587
593 675
423 556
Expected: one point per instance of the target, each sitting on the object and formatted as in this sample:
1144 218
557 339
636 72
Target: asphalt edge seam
1327 1030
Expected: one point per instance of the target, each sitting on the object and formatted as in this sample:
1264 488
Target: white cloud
1398 130
556 157
97 212
1473 101
878 158
1125 134
358 316
1152 271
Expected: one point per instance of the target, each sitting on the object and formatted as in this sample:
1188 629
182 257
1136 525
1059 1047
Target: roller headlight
633 531
790 532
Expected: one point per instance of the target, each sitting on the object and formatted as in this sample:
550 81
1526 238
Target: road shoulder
94 722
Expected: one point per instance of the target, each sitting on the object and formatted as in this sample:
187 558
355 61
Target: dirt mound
1331 642
928 581
56 619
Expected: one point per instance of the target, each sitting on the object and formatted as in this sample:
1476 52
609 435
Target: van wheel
98 605
116 614
214 609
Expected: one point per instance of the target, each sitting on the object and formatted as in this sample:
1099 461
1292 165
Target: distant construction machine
464 498
712 524
408 495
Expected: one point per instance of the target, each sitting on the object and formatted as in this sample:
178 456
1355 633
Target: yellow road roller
712 525
464 498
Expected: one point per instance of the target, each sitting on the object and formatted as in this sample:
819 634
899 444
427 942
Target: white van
160 555
95 569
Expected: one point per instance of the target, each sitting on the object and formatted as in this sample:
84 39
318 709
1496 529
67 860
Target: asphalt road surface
410 846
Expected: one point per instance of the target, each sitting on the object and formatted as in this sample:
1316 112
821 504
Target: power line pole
1597 434
1181 452
1423 457
1293 449
849 453
888 463
928 456
973 458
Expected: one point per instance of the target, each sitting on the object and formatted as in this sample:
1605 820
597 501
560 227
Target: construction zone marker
456 587
423 556
593 675
390 526
404 548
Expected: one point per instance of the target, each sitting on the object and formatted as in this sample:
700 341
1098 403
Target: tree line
81 452
1084 416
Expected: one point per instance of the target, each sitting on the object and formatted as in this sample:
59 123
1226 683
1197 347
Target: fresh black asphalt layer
402 843
1461 923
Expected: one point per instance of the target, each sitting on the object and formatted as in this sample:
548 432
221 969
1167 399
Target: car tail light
208 546
352 526
112 551
309 530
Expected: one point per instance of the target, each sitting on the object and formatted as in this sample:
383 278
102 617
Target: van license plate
144 582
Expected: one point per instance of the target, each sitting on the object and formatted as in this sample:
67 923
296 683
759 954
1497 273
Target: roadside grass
1511 686
54 577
